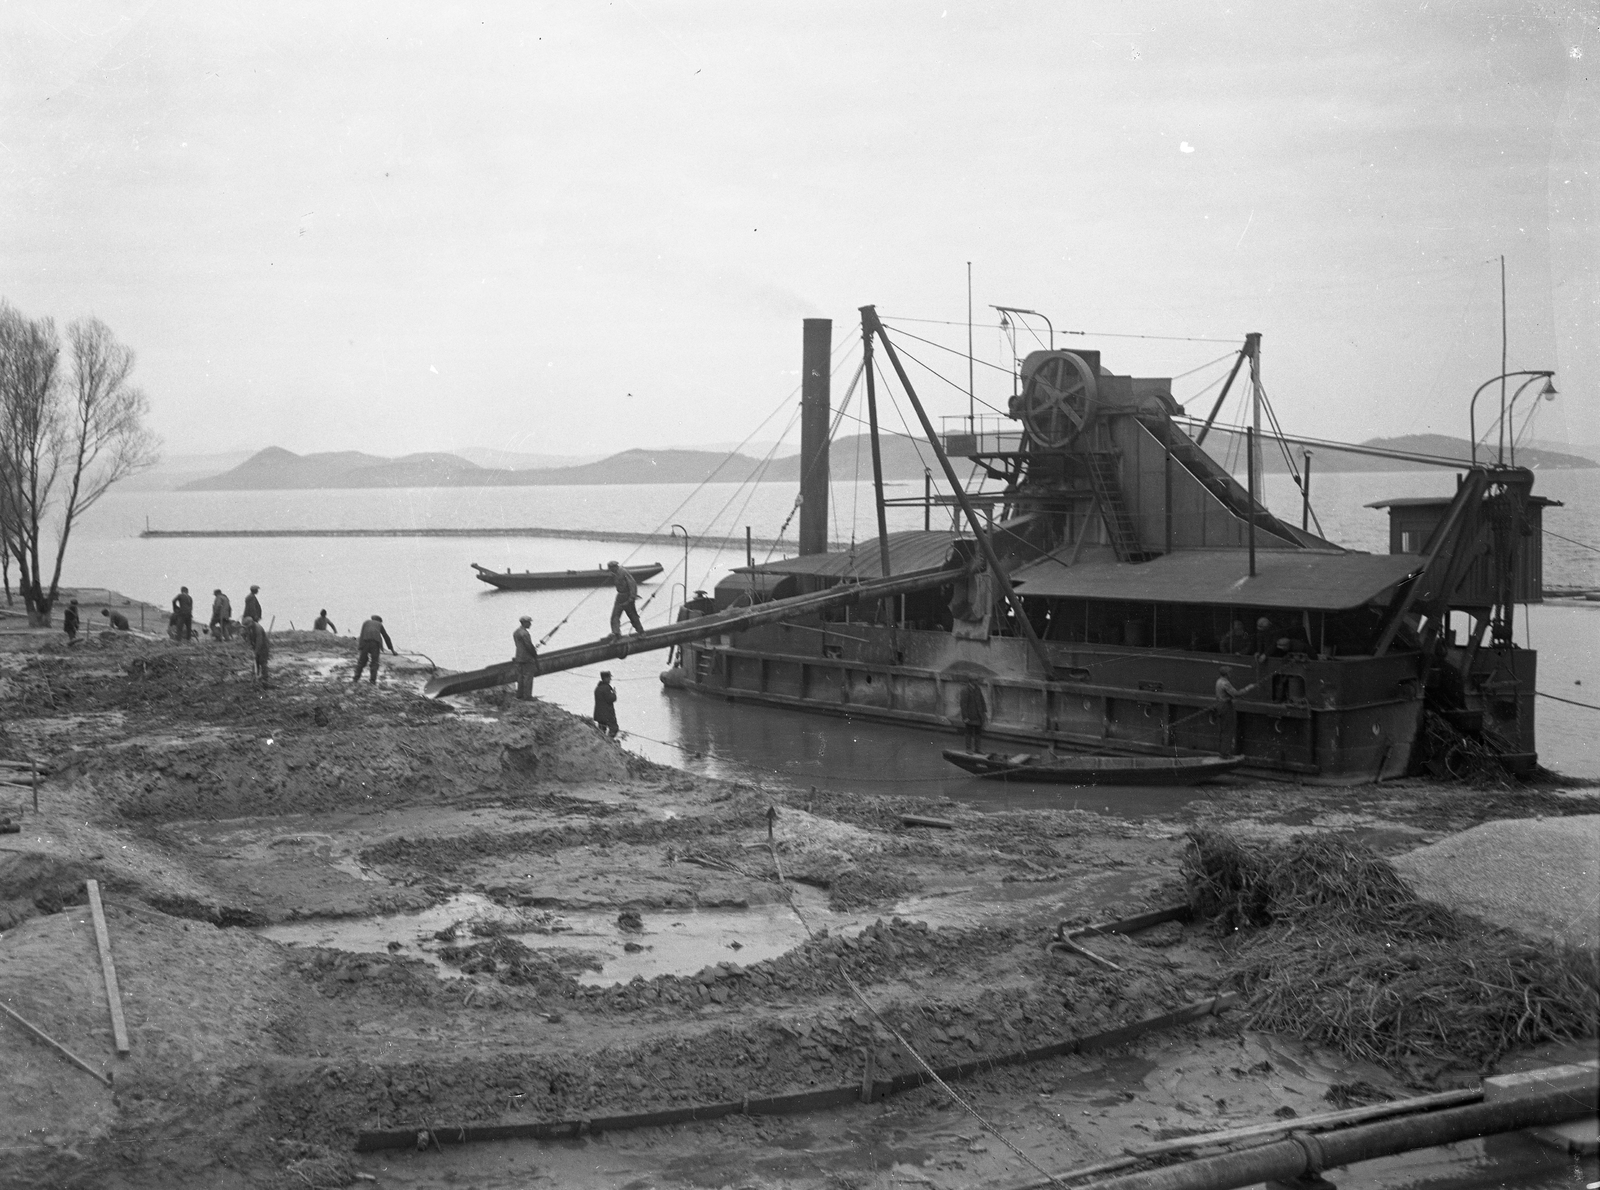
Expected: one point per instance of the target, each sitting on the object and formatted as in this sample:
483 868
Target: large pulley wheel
1057 399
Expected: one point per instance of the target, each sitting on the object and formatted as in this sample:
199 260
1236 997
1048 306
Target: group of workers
526 656
1266 641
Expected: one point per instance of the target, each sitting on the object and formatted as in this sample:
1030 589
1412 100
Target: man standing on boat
527 658
1227 717
974 709
369 646
605 705
1235 640
627 599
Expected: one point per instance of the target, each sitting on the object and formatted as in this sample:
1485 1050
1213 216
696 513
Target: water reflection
748 742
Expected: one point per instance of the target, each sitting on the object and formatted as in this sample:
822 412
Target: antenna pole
1501 455
972 400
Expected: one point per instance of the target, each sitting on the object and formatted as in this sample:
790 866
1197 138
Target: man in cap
252 605
627 599
370 644
527 658
605 705
69 622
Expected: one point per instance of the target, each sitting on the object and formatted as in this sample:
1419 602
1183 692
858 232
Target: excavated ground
340 907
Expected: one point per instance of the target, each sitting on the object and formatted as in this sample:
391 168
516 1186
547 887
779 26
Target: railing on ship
985 434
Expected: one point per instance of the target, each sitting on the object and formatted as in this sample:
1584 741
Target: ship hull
1341 721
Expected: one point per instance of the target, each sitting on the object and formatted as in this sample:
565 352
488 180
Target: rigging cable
1095 334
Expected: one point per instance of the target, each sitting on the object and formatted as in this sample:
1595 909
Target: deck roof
1315 580
910 552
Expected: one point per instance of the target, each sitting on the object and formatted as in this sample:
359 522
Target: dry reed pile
1331 945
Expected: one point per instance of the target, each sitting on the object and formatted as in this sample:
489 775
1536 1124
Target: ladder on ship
1108 491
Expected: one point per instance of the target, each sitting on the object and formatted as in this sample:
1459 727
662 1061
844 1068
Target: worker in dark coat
255 639
974 710
627 599
69 622
605 705
1235 640
322 623
118 620
527 658
252 605
370 643
183 609
1227 716
1266 639
221 615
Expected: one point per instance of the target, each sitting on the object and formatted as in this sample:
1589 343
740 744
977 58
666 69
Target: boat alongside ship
550 580
1102 584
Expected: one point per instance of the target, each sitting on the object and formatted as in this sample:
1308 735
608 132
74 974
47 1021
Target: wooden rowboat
1066 769
547 580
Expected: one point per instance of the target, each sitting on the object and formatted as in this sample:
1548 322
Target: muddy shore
339 908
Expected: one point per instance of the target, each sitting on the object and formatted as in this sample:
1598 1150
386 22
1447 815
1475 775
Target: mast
1258 480
877 457
869 326
817 350
972 398
1500 457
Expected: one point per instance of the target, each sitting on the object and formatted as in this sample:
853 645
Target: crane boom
733 619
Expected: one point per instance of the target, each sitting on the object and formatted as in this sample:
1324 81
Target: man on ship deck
627 599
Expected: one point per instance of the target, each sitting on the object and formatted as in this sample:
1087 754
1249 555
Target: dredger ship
1106 578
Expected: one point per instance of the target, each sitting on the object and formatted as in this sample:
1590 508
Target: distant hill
1228 447
849 458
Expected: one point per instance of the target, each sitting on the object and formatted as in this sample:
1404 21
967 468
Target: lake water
430 601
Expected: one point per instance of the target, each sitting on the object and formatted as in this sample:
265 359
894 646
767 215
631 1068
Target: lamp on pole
1472 409
1548 392
1005 323
673 532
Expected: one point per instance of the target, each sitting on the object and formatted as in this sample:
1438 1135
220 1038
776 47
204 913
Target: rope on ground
993 1131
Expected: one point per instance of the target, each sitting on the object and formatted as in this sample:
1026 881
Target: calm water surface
425 590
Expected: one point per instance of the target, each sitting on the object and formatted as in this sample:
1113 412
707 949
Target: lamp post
1472 410
1004 322
673 532
1548 392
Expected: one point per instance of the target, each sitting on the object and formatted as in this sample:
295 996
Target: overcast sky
582 227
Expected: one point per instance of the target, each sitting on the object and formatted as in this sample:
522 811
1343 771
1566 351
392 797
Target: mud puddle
668 942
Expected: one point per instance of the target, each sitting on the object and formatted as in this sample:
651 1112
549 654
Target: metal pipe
1313 1152
815 410
728 620
1223 395
870 324
749 547
1511 414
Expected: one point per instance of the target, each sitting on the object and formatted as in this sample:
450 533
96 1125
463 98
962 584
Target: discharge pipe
1313 1152
735 619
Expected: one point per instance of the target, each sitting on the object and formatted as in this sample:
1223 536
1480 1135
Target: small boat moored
1062 769
548 580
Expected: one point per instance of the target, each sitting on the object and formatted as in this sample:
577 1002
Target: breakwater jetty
534 531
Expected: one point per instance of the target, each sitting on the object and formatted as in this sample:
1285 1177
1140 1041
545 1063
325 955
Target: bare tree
64 440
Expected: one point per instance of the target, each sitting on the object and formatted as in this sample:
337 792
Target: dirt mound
1537 876
35 883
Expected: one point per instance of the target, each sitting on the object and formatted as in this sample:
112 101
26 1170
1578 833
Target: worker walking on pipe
527 658
605 705
627 599
371 642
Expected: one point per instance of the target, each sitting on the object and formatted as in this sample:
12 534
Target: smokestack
814 414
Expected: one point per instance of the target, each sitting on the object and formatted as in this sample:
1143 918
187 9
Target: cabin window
1408 541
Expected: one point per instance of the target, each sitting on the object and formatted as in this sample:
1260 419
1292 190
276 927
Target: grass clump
1331 945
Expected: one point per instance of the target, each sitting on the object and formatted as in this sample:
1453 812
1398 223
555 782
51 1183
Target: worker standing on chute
627 599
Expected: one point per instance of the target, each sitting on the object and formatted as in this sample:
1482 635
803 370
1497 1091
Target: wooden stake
35 771
53 1043
119 1027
